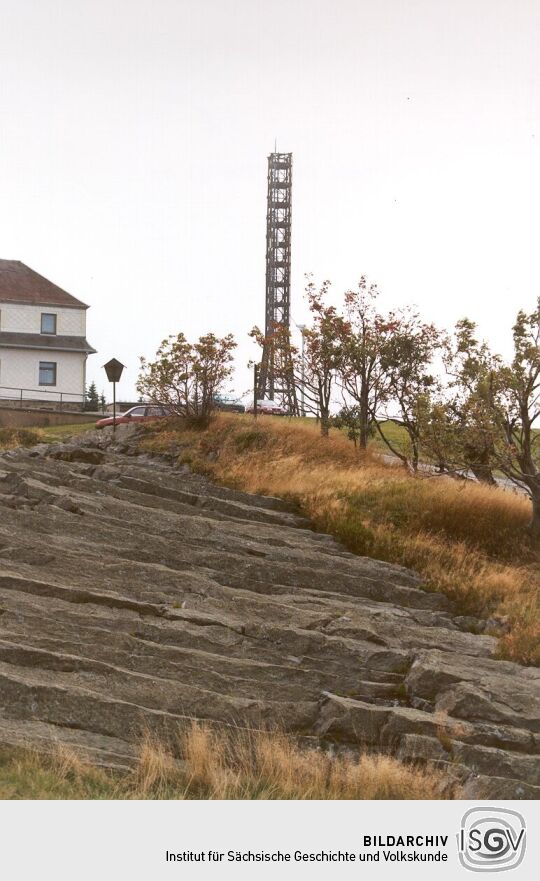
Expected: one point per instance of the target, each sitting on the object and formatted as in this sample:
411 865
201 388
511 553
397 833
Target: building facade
43 345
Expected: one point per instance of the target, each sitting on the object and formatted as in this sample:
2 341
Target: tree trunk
363 437
364 421
325 423
534 525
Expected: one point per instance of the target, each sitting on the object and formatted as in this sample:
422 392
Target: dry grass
58 774
467 540
19 437
222 764
256 764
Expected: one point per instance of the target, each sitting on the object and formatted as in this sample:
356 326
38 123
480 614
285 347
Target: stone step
106 752
69 702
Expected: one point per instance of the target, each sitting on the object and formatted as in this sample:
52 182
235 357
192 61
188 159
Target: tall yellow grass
467 540
220 763
270 765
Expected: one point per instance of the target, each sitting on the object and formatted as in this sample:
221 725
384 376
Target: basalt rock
135 596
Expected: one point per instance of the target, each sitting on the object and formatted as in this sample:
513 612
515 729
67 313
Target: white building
43 346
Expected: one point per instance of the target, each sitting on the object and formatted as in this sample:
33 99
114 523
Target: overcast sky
134 137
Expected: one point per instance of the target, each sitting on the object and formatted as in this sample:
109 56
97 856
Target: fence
25 397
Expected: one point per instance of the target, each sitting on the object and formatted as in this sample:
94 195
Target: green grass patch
63 432
251 439
29 437
27 775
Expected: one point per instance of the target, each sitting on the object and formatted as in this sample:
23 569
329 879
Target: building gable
20 284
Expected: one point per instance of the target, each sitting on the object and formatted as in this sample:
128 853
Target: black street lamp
113 369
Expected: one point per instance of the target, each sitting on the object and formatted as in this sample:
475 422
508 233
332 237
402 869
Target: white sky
133 144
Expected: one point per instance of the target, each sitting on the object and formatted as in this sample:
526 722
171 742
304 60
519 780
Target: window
47 373
48 322
136 411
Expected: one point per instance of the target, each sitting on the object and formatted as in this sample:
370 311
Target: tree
102 402
186 377
91 399
362 376
313 374
323 354
471 366
514 396
441 435
493 408
410 384
349 418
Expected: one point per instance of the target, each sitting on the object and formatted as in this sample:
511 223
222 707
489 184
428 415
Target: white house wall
27 319
19 369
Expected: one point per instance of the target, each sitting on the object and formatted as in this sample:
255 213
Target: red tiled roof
20 284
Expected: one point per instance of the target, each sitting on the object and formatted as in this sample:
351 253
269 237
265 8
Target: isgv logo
491 839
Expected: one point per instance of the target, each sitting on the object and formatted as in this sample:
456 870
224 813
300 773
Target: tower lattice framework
278 264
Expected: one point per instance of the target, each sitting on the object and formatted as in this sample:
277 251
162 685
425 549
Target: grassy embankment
28 437
467 540
218 765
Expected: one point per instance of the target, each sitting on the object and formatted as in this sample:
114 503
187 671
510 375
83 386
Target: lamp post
113 369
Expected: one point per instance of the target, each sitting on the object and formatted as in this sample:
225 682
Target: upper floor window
48 322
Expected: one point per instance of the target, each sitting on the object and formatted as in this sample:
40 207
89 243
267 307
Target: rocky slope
134 595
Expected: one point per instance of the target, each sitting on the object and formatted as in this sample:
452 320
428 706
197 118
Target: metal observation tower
278 263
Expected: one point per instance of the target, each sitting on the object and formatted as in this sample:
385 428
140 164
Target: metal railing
21 395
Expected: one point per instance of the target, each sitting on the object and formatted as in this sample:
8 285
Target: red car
143 413
267 407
